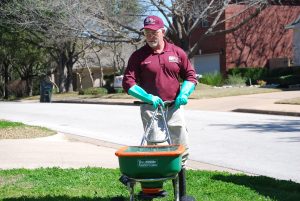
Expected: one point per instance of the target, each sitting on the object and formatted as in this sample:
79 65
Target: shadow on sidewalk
269 127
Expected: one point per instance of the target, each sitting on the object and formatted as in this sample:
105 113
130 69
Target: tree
117 21
29 63
182 18
20 58
114 22
63 23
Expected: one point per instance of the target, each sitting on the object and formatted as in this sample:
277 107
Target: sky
157 13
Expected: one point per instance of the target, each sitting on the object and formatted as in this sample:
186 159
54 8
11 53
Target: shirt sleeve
187 71
131 72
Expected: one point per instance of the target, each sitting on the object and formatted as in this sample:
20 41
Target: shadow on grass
65 198
279 190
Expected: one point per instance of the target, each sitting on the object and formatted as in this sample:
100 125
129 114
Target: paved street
259 144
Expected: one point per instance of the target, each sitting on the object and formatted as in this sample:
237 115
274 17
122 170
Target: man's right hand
156 101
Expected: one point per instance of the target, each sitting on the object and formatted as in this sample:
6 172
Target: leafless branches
120 20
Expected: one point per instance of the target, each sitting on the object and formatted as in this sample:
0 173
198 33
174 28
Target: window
204 23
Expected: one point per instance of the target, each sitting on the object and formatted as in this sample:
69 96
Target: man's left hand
181 100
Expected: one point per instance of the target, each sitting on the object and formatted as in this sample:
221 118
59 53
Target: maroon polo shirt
158 74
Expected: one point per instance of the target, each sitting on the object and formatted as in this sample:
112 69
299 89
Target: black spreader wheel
187 198
118 198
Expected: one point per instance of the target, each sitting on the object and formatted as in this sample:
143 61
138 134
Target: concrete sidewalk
68 151
71 151
256 103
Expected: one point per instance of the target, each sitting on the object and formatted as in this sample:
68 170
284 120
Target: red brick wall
215 44
263 38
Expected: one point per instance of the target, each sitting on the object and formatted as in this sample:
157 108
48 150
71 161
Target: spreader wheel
187 198
118 198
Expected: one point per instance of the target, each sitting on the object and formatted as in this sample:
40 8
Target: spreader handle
167 137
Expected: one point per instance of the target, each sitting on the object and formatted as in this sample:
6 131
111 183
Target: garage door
207 63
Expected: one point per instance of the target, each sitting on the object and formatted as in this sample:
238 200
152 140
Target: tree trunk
29 86
180 38
90 72
6 66
62 74
80 81
69 80
101 77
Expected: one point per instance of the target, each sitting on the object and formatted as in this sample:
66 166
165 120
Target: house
295 26
255 44
86 77
96 65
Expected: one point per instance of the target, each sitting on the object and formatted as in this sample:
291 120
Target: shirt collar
167 47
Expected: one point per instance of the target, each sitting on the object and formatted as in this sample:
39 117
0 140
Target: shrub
284 81
280 76
261 83
235 80
93 91
214 79
277 72
250 74
119 90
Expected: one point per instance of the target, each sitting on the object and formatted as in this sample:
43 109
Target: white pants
176 124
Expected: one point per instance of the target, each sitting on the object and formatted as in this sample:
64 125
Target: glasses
151 33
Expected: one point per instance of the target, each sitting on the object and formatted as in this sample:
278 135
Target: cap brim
154 28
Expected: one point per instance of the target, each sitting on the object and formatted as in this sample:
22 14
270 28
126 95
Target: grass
204 91
74 95
17 130
292 101
9 124
91 184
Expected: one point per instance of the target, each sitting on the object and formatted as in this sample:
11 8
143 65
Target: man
152 75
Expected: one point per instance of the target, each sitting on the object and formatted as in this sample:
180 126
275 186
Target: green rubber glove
186 89
141 94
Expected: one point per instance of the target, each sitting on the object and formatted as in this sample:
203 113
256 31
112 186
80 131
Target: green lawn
9 124
91 184
292 101
204 91
17 130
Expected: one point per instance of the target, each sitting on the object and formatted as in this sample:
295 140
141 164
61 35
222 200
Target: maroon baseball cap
153 22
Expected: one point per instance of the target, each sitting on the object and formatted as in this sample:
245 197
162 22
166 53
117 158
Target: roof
293 24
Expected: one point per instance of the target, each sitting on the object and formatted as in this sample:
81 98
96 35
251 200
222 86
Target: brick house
256 44
295 26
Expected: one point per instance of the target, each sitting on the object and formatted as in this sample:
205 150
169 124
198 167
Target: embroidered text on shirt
173 59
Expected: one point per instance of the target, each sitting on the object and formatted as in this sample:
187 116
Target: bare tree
183 18
118 21
61 23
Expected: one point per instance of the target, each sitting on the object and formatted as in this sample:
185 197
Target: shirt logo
149 20
173 59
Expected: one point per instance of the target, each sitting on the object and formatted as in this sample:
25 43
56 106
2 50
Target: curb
136 103
90 102
257 111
